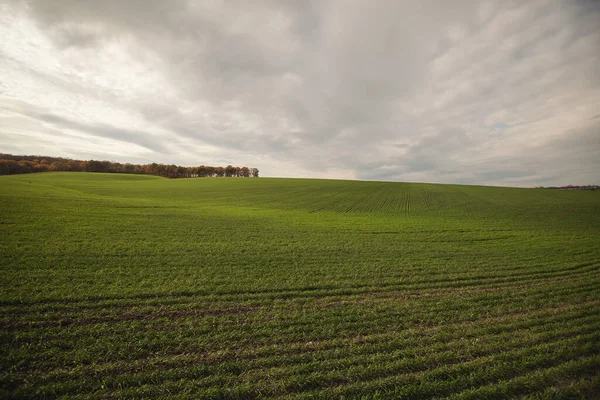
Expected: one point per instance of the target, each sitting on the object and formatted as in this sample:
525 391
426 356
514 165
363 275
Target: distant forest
572 187
11 164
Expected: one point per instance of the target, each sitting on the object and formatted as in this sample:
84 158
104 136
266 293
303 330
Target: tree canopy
14 164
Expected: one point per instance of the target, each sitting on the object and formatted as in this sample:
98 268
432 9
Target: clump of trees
572 187
11 164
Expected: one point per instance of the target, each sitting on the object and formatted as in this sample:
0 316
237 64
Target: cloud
102 130
487 93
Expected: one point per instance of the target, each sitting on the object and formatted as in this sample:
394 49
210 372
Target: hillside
139 286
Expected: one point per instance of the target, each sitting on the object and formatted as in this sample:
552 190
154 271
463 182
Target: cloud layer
500 92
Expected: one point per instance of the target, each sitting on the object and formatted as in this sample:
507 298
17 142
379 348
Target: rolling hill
132 286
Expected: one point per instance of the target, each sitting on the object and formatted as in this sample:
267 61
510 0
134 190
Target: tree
129 168
58 166
229 171
255 172
95 166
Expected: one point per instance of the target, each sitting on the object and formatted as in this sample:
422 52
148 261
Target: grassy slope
141 286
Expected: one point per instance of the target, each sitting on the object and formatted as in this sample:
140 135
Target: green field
129 286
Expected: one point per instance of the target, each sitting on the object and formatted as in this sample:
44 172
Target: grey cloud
385 90
570 158
76 36
101 130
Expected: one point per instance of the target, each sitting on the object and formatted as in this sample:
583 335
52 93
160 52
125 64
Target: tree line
11 164
572 187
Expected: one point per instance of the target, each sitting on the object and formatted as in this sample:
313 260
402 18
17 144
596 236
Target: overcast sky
503 93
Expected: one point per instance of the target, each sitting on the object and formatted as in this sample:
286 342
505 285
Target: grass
126 286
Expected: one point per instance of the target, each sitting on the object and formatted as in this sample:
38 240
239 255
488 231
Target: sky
476 92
